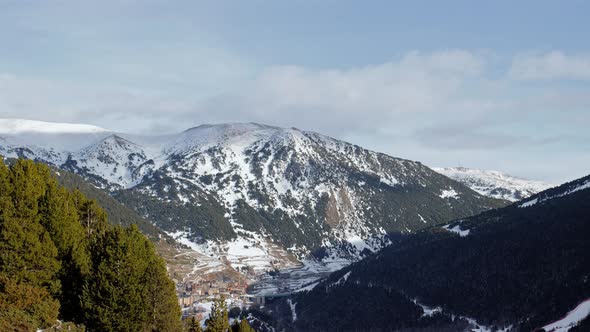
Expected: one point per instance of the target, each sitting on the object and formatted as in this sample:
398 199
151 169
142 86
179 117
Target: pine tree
160 296
91 215
128 289
218 319
28 256
235 327
59 216
242 326
112 295
24 307
245 326
27 253
111 276
194 325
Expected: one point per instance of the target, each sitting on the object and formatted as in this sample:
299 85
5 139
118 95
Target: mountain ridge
313 194
494 184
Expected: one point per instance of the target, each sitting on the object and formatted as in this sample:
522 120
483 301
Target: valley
294 166
257 213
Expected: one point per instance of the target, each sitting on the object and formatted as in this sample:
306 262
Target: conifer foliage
242 326
194 325
59 258
218 319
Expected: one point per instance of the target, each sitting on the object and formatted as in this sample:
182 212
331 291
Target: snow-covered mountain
281 190
494 183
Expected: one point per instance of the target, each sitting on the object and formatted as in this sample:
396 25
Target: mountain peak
118 140
494 184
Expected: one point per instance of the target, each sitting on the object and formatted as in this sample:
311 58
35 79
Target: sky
501 85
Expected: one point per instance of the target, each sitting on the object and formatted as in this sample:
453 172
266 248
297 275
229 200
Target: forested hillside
118 213
61 259
522 266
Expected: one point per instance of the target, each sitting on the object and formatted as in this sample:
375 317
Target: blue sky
489 84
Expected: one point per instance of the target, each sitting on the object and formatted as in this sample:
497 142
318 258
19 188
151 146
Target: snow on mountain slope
564 190
114 158
573 318
270 192
493 183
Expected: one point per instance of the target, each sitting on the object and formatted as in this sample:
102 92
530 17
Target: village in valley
200 278
196 295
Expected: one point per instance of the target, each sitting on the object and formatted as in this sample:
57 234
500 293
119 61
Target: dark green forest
61 259
518 266
118 213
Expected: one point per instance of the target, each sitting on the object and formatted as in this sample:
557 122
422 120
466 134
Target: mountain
238 190
494 183
521 267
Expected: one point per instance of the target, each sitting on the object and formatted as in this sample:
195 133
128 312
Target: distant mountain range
519 268
493 183
252 185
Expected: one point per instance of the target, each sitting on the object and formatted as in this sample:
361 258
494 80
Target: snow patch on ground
293 312
457 229
529 203
476 327
342 279
308 287
358 243
450 193
570 320
389 181
428 311
243 252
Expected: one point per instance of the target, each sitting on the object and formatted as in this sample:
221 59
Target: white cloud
441 108
344 100
550 66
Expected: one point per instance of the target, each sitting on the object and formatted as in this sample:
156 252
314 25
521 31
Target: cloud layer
552 65
444 108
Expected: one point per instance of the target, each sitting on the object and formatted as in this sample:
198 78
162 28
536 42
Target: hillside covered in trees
61 259
522 266
118 213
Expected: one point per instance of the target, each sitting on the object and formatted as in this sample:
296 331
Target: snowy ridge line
540 199
232 172
571 319
494 184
